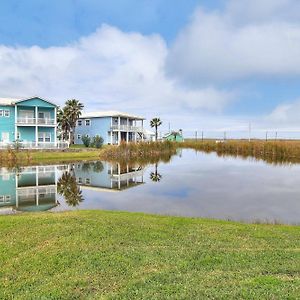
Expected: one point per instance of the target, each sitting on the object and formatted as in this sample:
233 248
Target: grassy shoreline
141 152
270 151
118 255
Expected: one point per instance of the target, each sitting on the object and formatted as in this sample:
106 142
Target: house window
80 180
44 115
1 199
1 112
87 181
87 122
78 136
7 198
79 122
18 135
6 113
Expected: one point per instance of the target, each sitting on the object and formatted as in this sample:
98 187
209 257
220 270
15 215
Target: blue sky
58 22
197 64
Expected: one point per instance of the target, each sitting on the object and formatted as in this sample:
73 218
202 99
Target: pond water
192 184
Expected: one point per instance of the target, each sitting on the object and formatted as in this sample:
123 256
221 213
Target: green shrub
86 140
97 141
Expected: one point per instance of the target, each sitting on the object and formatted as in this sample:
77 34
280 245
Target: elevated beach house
112 126
30 121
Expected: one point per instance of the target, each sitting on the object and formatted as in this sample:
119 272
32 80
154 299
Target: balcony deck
126 128
35 121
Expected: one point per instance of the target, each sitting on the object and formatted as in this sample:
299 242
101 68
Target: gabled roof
110 113
25 99
172 133
13 101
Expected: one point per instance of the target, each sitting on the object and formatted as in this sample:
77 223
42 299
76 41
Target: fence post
266 136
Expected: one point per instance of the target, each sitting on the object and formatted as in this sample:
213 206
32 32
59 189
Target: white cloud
261 11
109 69
249 39
286 114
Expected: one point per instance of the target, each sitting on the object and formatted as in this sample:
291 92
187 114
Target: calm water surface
191 184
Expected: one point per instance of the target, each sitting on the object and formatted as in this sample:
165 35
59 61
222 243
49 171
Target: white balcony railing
26 120
34 121
46 121
126 128
31 191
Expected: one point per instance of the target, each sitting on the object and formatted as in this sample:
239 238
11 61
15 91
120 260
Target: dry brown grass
281 151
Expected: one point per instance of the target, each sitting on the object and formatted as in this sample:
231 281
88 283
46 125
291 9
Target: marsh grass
276 152
142 153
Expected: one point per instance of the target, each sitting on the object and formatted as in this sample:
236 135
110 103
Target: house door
44 137
5 137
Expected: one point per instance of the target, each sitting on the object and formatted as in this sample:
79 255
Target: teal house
31 121
174 136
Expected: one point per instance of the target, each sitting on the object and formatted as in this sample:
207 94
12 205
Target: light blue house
112 126
31 121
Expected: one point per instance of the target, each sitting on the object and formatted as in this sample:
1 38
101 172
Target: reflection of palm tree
98 167
155 176
67 187
86 167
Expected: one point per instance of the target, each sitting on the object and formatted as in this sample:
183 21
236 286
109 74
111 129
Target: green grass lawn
113 255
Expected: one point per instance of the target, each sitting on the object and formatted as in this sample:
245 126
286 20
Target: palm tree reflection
155 176
68 188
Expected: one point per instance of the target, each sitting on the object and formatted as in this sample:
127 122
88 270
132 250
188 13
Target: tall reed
282 151
146 152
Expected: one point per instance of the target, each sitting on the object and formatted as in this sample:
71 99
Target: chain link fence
266 135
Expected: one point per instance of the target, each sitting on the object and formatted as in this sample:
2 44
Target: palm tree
63 124
73 109
155 122
67 118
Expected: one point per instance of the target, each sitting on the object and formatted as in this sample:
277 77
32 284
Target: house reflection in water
108 177
29 188
35 188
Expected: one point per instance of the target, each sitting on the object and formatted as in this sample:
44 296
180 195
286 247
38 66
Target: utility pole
276 136
196 135
169 127
266 136
202 136
224 136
